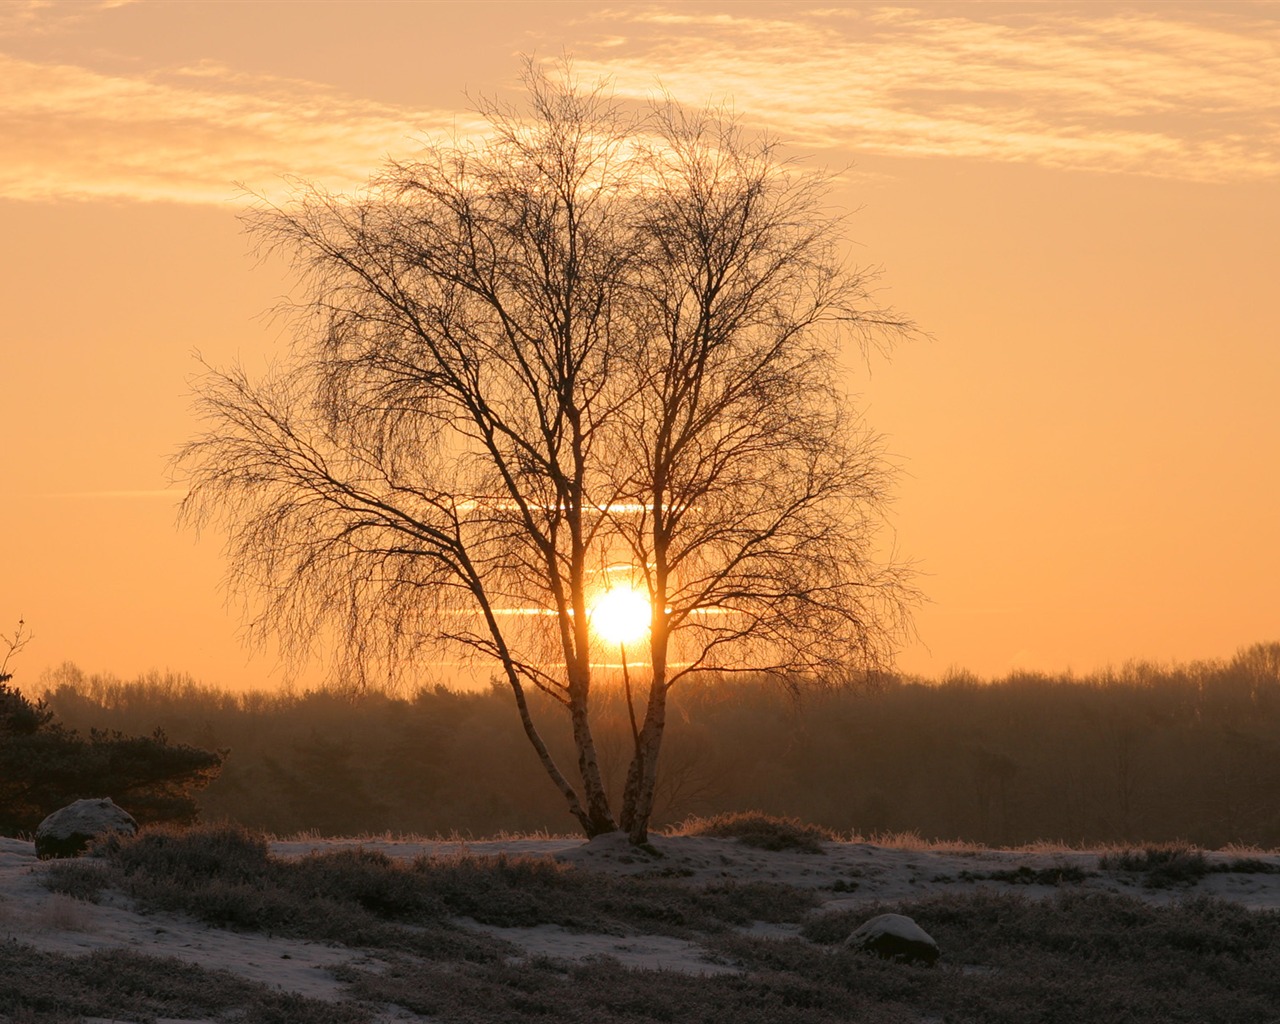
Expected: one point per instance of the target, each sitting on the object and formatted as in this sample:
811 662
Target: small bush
228 852
369 878
1162 867
1025 875
1248 866
763 831
80 880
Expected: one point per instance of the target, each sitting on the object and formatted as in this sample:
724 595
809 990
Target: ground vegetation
1006 958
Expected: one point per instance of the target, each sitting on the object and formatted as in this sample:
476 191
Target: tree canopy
596 351
45 766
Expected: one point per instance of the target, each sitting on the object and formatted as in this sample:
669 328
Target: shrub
229 852
44 766
763 831
1248 866
1063 874
1162 867
77 879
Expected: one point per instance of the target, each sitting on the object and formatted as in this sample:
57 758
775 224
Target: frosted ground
845 875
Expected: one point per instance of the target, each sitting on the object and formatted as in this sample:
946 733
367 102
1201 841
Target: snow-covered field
846 875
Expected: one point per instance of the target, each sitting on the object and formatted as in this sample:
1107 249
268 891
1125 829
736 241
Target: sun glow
620 615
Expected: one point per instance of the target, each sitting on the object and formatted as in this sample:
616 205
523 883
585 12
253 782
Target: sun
620 615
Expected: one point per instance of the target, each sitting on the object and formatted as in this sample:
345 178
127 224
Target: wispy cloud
1136 90
190 134
1144 90
174 494
45 17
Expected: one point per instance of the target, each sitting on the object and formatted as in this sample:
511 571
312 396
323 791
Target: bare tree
595 351
13 645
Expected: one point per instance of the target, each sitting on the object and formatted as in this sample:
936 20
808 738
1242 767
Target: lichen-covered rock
894 937
67 832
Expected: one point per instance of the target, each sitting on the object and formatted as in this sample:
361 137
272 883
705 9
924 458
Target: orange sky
1079 203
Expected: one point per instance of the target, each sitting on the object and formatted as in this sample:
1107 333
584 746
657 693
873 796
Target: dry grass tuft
62 913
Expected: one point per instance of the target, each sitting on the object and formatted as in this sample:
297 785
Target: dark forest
1138 754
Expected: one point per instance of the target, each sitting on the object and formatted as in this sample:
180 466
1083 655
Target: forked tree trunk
642 775
578 659
548 763
544 756
599 816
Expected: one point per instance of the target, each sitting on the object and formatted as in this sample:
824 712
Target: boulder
67 832
894 937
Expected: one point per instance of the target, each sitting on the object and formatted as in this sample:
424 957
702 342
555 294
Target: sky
1079 205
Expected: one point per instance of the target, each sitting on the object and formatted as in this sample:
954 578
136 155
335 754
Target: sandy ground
861 873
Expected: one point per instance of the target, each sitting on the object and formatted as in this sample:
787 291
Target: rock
894 937
67 832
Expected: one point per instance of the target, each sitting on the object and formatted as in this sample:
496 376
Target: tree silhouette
596 350
13 645
44 766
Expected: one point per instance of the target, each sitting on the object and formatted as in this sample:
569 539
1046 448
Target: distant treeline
1142 753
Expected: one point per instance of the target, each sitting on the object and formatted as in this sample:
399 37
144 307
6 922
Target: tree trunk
642 776
530 730
544 756
599 816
